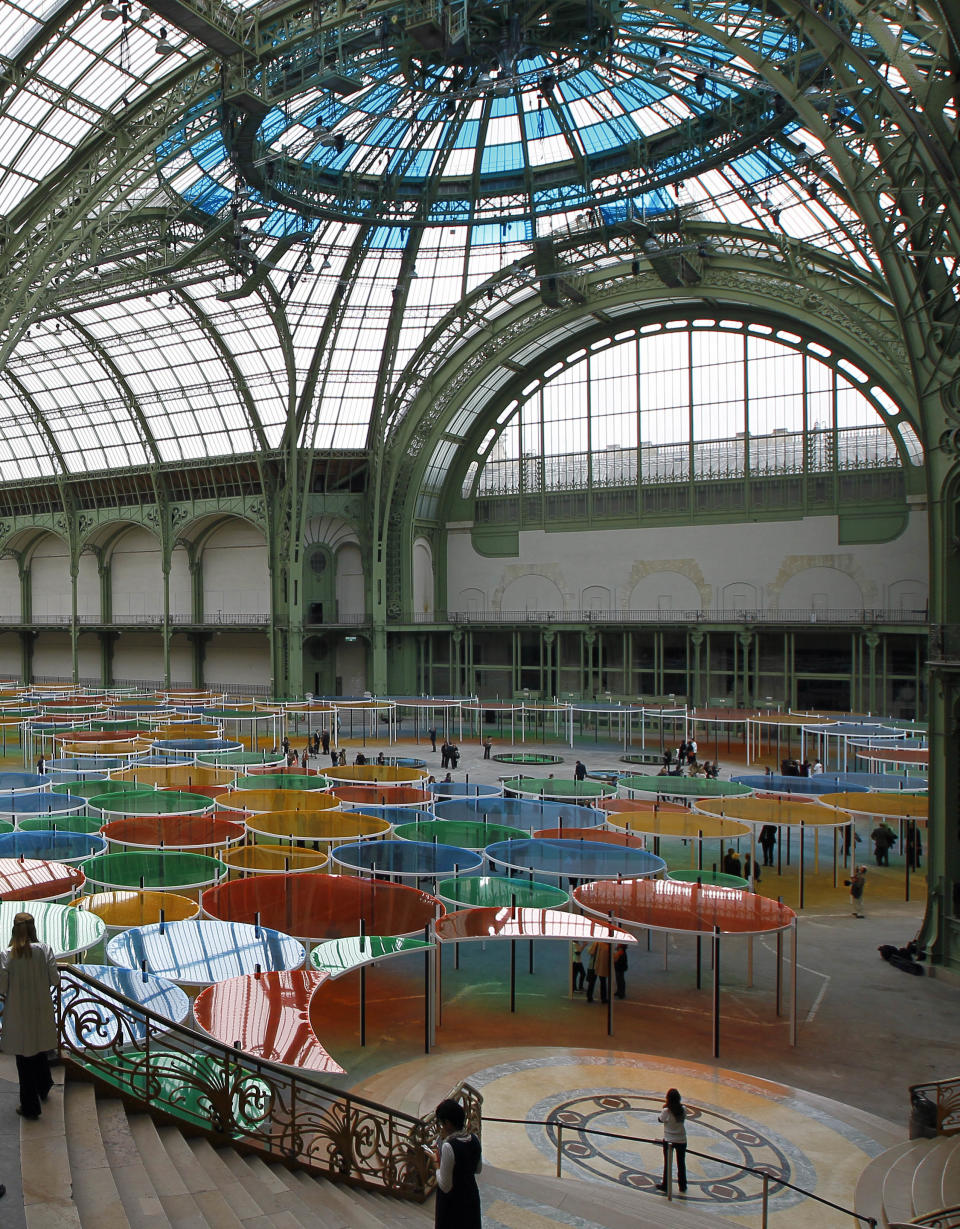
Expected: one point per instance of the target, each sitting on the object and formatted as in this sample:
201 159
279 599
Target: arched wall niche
351 589
236 579
51 585
423 577
136 576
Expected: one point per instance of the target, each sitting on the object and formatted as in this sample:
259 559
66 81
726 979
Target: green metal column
696 638
74 629
165 631
871 640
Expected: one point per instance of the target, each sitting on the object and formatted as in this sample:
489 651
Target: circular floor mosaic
735 1148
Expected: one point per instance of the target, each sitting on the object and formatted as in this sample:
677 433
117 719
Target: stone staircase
913 1179
91 1163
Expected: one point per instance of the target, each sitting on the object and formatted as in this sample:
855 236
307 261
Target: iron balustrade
281 1113
945 1094
766 1178
857 615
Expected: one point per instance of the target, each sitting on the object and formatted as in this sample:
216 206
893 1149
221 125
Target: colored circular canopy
258 801
322 906
408 859
780 783
47 803
317 826
243 759
620 806
123 908
573 859
95 788
63 929
30 782
894 754
382 796
557 787
283 781
271 859
172 774
98 1025
267 1016
375 774
603 835
889 806
202 951
690 826
464 789
150 868
27 879
884 782
496 891
779 811
151 802
686 787
717 879
56 823
174 831
470 834
664 904
67 847
526 813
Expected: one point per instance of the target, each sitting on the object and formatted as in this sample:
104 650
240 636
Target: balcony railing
276 1111
857 615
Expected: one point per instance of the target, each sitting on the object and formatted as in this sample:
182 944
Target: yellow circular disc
257 801
336 826
183 776
774 811
688 825
890 806
376 774
274 859
123 909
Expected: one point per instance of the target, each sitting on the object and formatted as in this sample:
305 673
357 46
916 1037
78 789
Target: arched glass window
672 403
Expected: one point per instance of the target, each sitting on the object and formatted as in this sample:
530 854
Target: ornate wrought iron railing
281 1113
945 1094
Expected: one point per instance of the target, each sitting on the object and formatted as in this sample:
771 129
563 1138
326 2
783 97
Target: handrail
763 1174
947 1099
943 1218
277 1111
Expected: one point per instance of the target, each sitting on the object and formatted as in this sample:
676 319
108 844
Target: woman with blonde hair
28 970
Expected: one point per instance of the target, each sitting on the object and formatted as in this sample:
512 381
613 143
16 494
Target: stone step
926 1189
45 1166
898 1180
138 1194
950 1181
94 1187
604 1204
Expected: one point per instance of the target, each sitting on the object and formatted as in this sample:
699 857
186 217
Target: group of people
590 964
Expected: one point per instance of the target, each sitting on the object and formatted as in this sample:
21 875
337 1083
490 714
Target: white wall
235 575
89 657
53 656
237 657
10 590
88 588
181 660
352 667
10 657
51 587
138 655
136 576
350 587
180 584
761 565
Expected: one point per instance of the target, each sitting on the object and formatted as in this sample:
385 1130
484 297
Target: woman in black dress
458 1163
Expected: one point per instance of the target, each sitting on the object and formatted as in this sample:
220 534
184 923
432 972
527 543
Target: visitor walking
599 968
579 771
28 971
856 883
620 970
